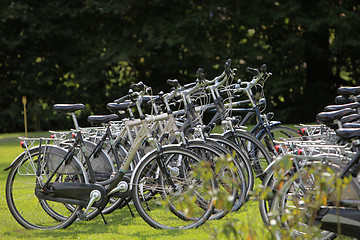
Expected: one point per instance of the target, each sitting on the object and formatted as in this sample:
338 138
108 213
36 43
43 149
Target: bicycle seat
68 108
327 117
114 107
343 100
352 125
350 118
347 133
97 119
339 107
348 90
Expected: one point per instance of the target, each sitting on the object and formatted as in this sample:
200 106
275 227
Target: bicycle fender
137 165
272 123
267 169
11 165
86 179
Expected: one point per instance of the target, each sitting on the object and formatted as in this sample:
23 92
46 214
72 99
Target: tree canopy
90 51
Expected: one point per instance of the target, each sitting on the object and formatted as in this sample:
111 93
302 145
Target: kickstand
132 214
102 216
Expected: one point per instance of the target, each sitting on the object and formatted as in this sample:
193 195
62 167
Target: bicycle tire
277 132
293 188
256 152
265 203
243 161
239 188
29 211
156 212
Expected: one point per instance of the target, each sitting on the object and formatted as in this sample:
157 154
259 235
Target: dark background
89 51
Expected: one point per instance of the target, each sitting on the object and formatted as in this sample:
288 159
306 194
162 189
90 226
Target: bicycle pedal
81 215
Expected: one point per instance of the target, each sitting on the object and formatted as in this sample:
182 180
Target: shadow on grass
120 225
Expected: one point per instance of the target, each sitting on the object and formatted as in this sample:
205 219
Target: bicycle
96 195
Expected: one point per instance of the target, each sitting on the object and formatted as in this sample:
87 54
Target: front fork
160 160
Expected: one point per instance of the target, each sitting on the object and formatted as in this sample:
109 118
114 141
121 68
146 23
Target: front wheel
256 152
297 199
276 133
176 205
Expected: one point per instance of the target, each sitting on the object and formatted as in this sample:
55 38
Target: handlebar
190 85
249 69
137 89
137 86
172 82
262 69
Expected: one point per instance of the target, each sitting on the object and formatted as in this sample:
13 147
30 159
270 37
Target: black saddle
352 125
342 106
350 118
328 117
348 133
347 99
68 108
98 119
115 107
148 99
348 90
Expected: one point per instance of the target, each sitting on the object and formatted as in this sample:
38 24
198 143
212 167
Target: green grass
120 225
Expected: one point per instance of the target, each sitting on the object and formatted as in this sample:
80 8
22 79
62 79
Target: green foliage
90 51
222 198
299 196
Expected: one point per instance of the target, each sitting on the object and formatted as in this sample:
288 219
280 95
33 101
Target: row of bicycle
313 189
166 162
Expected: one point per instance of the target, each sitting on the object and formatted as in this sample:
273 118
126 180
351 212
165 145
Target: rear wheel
27 209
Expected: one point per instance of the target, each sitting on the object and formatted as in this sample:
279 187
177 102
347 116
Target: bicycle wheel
292 207
265 201
27 209
156 199
277 133
244 163
256 152
230 179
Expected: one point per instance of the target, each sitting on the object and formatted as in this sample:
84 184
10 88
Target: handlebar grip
172 82
200 74
138 86
263 68
229 62
227 66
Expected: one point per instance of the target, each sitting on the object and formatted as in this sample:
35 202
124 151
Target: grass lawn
120 223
